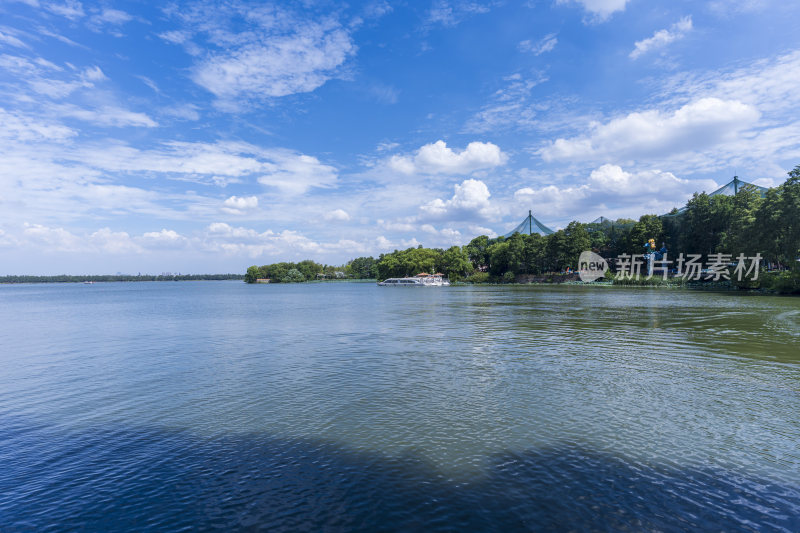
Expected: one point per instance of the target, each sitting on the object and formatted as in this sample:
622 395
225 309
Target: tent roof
729 189
528 226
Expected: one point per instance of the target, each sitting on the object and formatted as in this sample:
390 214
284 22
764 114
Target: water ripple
351 407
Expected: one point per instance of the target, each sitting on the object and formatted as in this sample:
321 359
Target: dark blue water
217 405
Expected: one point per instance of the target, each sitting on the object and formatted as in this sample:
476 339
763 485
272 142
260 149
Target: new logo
591 266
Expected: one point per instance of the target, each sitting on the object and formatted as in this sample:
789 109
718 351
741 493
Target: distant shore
66 278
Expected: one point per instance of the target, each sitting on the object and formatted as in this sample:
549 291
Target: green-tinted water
356 406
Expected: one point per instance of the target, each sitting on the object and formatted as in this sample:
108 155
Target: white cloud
112 16
224 181
164 239
470 201
56 89
450 235
545 44
70 9
44 31
47 79
337 214
481 230
237 205
695 126
768 84
451 13
101 241
728 8
56 239
296 173
24 66
377 9
105 115
221 237
281 52
11 40
599 10
739 118
397 225
612 192
384 244
94 74
287 170
216 240
279 68
510 106
662 38
176 36
183 112
37 74
237 202
51 239
114 242
150 83
45 173
437 158
386 146
23 128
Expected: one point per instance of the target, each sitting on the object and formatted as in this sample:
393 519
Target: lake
347 406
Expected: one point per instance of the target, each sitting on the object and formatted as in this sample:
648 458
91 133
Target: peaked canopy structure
529 226
732 188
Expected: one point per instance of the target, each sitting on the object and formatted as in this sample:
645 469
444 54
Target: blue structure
731 188
529 226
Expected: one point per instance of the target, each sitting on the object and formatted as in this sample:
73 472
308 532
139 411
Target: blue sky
206 137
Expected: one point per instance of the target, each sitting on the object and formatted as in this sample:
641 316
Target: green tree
779 217
515 258
576 241
253 273
498 258
477 251
293 276
535 253
309 269
648 227
555 252
363 268
707 218
790 217
599 240
455 263
388 266
741 234
276 271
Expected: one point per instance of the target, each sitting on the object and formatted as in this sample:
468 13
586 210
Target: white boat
420 280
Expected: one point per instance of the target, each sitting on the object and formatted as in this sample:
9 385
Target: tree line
745 223
308 270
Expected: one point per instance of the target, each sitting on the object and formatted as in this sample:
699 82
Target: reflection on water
358 407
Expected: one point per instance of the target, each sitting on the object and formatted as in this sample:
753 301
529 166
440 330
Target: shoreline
540 281
706 286
113 278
